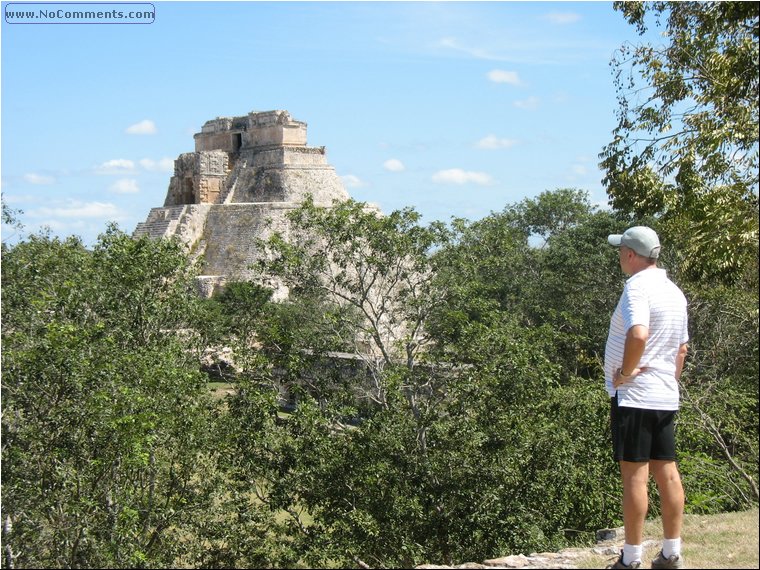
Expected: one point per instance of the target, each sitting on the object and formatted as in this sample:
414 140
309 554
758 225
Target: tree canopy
443 446
686 144
105 424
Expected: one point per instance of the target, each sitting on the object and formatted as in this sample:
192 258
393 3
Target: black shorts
640 435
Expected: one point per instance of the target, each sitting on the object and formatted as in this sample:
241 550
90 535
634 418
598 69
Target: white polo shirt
654 301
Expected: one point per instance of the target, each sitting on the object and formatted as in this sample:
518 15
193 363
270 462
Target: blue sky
452 108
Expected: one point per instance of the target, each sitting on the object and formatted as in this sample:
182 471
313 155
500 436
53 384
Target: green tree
10 219
105 414
455 460
373 269
563 281
686 144
720 399
553 212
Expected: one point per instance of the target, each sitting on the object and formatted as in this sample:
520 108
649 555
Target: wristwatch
623 374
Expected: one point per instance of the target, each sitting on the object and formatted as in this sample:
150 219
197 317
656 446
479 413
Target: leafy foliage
720 398
456 461
10 219
686 144
104 421
439 380
564 284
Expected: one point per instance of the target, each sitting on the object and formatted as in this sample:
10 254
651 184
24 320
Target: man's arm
635 342
680 359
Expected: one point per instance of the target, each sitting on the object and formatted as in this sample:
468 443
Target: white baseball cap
641 239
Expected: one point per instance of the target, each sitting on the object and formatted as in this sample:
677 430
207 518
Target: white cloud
68 226
162 165
352 181
77 209
459 176
562 17
39 179
126 166
603 205
529 104
144 127
21 199
116 166
394 165
501 76
477 53
579 169
494 142
125 186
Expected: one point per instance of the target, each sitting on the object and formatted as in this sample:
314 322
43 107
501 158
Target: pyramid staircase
161 222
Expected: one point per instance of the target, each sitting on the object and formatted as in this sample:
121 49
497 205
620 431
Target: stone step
160 223
154 229
229 189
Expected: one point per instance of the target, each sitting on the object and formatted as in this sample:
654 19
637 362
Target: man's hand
619 378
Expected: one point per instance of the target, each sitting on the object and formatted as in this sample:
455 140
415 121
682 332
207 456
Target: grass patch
726 540
220 389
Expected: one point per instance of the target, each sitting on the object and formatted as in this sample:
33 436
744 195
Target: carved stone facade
245 174
199 178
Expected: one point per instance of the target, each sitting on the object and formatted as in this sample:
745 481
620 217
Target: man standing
643 359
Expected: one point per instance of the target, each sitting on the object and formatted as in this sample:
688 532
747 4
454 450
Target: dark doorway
188 192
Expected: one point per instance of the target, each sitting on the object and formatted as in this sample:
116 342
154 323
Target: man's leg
668 481
635 477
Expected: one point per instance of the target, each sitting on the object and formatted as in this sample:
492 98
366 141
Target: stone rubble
609 544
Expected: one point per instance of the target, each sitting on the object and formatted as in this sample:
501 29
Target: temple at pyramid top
242 159
270 128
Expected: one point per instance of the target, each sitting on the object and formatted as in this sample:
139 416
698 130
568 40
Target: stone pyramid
246 173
